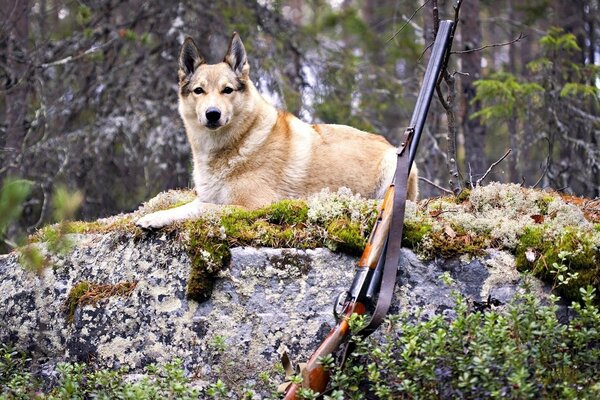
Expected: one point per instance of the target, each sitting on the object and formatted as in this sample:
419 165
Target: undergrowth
521 353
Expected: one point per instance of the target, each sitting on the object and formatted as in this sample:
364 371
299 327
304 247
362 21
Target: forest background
88 89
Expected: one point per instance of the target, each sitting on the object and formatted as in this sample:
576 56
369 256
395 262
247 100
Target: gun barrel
429 82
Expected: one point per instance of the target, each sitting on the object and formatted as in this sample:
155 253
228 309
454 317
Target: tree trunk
473 130
15 14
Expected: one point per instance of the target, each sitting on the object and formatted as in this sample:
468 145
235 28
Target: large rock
266 299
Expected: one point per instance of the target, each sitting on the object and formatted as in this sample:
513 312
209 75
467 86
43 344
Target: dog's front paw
155 220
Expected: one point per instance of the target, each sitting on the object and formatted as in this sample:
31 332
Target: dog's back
299 159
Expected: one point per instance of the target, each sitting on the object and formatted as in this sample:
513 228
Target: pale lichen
502 216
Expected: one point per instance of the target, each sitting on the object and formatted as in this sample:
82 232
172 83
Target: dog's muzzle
213 116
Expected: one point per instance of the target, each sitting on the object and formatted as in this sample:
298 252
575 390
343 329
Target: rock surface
267 298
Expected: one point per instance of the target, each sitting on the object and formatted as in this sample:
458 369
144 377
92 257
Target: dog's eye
198 90
227 90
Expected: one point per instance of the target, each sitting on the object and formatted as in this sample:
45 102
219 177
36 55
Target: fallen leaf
538 218
449 231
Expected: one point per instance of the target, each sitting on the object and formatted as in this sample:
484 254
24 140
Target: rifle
376 270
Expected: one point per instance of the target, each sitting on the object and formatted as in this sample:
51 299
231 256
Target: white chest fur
210 187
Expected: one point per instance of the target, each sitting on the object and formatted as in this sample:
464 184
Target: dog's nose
213 114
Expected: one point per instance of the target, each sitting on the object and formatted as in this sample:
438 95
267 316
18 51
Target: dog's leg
166 217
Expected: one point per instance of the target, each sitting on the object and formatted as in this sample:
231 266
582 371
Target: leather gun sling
405 158
392 256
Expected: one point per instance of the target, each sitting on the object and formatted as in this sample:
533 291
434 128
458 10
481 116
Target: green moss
347 236
180 203
75 294
458 243
414 232
50 233
463 196
543 204
208 259
278 225
579 253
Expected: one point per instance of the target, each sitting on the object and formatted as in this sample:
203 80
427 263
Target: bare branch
68 59
436 185
521 36
470 176
492 167
543 172
407 22
430 45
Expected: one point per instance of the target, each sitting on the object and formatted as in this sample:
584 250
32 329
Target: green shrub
524 352
78 381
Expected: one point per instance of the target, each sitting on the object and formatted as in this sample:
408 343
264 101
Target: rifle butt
314 375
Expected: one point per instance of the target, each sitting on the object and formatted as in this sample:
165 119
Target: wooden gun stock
376 243
314 376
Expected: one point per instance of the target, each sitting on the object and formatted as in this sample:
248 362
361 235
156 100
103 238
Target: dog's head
212 93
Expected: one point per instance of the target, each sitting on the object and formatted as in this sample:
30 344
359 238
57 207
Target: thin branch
521 36
436 185
43 210
470 176
460 73
544 171
407 22
449 107
492 167
68 59
430 45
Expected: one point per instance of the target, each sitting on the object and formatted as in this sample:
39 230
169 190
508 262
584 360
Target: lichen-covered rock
265 300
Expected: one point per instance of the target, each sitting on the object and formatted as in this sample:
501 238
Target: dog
247 153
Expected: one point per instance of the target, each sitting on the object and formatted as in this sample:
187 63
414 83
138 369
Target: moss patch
284 224
281 224
454 241
414 232
347 236
572 249
50 233
86 292
463 196
209 253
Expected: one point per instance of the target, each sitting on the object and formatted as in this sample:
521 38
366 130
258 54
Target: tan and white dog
249 154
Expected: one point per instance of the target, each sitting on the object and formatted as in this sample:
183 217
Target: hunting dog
247 153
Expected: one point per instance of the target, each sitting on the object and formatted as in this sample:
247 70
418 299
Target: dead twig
545 171
407 22
521 36
68 59
436 185
492 167
470 176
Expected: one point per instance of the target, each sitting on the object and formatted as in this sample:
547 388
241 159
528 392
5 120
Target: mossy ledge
536 226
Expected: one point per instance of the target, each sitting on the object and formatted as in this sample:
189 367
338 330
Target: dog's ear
189 58
236 56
